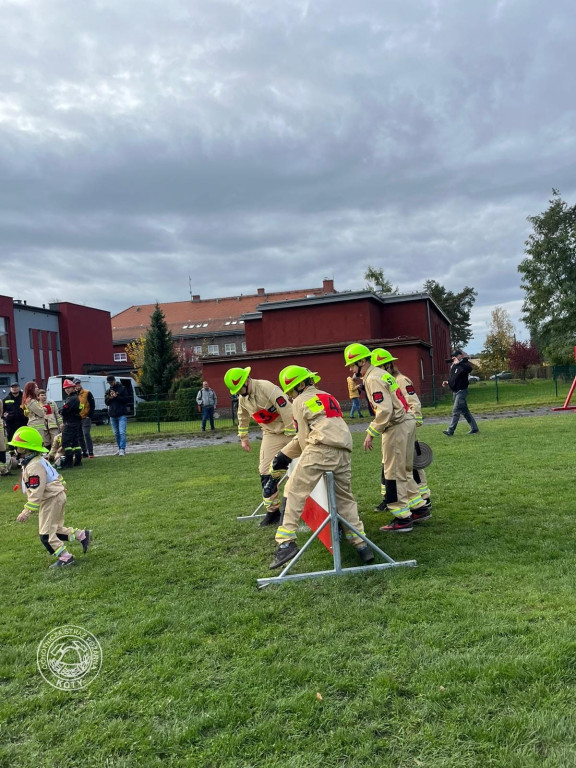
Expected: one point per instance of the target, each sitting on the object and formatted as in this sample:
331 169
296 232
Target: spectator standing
88 407
72 426
5 461
12 412
53 418
207 400
458 383
34 410
116 398
354 383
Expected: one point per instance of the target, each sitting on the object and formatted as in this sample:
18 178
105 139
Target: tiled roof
201 317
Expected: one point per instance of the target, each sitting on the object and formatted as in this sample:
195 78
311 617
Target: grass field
468 660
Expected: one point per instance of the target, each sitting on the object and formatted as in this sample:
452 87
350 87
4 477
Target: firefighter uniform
272 411
36 416
53 422
415 406
71 434
397 428
324 443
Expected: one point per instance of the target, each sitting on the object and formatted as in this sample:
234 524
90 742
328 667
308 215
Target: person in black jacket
72 431
458 383
12 411
117 399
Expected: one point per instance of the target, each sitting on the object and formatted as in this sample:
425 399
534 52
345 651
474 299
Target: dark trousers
71 442
207 413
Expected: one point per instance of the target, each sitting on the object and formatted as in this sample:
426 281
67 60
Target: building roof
204 317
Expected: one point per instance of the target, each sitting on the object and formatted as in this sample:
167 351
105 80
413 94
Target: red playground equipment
566 406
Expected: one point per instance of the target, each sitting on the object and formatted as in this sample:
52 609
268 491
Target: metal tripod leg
332 518
255 515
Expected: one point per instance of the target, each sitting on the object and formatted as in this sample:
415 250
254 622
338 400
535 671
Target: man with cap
71 433
117 398
323 443
264 402
458 383
12 411
397 429
88 407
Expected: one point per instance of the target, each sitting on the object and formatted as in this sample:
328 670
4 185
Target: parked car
473 378
502 375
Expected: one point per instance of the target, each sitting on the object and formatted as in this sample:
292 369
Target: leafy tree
135 351
161 363
498 341
549 279
522 355
457 307
377 282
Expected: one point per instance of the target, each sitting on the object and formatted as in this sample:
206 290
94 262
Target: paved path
171 443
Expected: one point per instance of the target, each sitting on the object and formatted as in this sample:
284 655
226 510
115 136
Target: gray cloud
251 144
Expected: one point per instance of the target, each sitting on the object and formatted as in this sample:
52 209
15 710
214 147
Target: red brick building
314 331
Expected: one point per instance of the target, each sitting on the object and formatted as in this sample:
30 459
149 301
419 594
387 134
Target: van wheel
104 420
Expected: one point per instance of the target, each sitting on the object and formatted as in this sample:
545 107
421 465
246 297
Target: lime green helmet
28 438
381 356
235 379
355 352
293 375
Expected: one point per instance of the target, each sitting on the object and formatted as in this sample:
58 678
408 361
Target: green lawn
468 660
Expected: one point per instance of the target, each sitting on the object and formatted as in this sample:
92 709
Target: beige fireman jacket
40 481
36 414
410 396
318 420
268 406
388 409
53 415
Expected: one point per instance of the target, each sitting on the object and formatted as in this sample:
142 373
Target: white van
98 386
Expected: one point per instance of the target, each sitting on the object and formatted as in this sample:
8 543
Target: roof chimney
261 292
196 297
328 286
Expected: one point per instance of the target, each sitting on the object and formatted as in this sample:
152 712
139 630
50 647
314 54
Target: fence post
496 384
157 412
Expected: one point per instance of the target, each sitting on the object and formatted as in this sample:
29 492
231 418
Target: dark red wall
7 311
85 336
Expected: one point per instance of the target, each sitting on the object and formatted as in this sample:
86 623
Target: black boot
284 553
365 553
271 518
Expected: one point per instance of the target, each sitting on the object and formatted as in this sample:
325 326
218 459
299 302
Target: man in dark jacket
88 407
117 398
458 383
72 431
12 412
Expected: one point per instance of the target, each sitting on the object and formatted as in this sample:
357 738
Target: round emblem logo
69 658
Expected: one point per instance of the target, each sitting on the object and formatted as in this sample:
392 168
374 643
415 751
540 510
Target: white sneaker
121 453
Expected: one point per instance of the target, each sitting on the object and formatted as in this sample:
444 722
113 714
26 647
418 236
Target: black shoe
284 553
428 505
84 455
473 432
366 554
62 563
423 513
271 518
87 540
446 432
77 463
398 525
381 507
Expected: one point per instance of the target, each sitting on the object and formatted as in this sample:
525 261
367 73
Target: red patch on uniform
264 417
33 482
280 402
410 389
378 397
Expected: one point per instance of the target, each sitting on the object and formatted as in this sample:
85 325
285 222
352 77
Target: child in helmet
46 494
324 443
264 402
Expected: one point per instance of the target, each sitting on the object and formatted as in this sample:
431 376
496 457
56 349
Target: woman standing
53 418
33 409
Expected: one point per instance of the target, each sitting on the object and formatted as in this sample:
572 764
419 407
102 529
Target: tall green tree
161 363
499 341
457 307
549 280
375 281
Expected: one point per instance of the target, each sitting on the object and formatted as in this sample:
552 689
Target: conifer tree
161 362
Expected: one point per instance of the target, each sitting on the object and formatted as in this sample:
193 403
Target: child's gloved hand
23 516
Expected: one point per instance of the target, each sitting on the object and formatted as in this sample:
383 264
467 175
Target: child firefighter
46 494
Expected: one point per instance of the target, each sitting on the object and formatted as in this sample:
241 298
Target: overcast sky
274 143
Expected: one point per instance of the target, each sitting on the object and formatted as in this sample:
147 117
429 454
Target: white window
120 357
198 350
213 349
230 349
243 346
